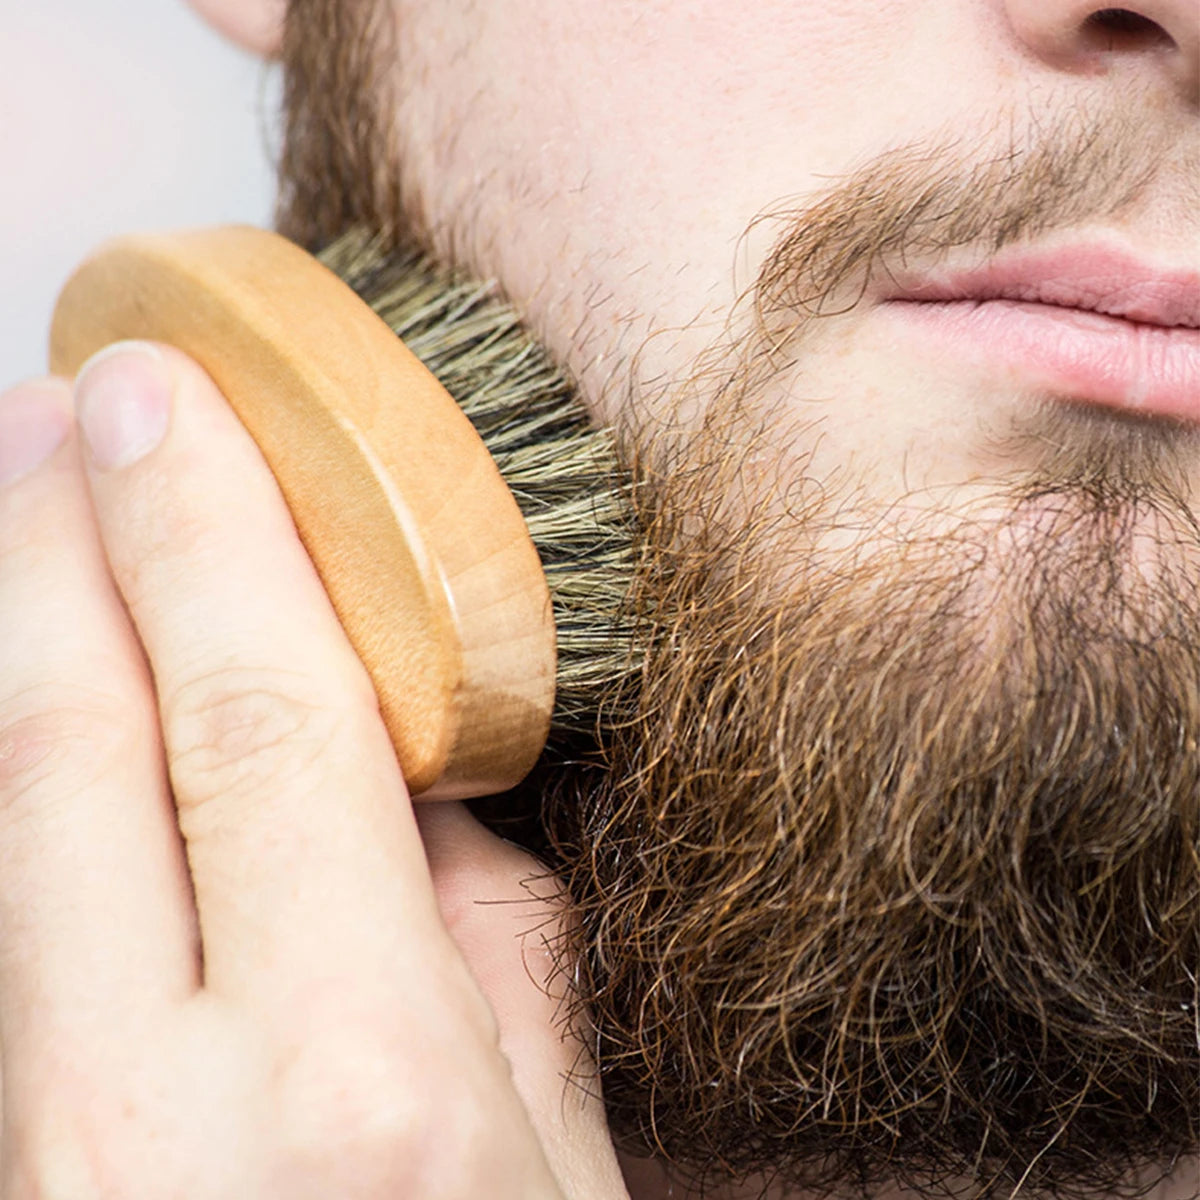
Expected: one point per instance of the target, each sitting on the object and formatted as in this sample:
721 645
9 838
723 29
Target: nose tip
1163 35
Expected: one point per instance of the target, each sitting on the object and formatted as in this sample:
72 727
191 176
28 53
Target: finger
95 905
506 914
303 852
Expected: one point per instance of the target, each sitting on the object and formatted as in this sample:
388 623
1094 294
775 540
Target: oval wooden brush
414 532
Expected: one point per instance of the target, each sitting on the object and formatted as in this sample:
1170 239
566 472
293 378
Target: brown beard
892 868
893 875
896 876
337 163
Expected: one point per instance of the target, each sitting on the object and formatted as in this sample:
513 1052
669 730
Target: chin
892 878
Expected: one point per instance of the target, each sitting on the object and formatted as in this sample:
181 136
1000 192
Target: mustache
927 198
966 193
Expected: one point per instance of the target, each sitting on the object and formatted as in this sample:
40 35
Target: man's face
898 871
606 161
625 171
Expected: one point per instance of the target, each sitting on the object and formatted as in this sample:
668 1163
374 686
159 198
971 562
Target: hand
223 969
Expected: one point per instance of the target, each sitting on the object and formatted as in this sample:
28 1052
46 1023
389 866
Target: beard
888 869
893 874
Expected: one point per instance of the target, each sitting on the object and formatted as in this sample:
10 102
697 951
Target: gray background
116 115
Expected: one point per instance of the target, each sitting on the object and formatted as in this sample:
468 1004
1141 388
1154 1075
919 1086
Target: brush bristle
565 473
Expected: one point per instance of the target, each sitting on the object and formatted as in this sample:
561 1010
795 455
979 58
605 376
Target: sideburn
336 167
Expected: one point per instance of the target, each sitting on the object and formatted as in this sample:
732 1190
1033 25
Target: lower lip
1084 356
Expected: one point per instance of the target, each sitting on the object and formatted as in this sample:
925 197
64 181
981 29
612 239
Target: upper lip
1088 277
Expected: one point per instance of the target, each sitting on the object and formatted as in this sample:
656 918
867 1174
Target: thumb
505 914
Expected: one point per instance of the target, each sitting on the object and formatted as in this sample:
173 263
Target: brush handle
416 537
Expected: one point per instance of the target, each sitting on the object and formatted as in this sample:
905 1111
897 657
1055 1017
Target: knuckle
72 734
345 1097
242 727
409 1127
450 1160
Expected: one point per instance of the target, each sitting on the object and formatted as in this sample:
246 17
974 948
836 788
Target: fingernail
33 424
123 401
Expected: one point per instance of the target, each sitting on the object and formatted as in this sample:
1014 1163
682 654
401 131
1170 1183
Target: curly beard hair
893 873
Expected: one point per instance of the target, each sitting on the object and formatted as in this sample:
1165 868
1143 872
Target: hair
336 167
895 873
889 869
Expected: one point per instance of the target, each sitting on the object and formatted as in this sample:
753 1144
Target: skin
264 1071
639 248
284 1064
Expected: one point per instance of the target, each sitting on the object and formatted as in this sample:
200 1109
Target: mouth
1088 324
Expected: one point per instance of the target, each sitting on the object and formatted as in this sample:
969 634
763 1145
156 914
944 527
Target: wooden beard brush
462 513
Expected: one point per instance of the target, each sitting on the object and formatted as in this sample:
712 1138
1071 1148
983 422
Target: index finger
302 846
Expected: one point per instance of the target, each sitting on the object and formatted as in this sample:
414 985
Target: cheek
692 74
635 114
647 135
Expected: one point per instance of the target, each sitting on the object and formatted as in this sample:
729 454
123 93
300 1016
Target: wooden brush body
416 537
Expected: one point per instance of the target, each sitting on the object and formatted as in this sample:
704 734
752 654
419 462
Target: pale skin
234 961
